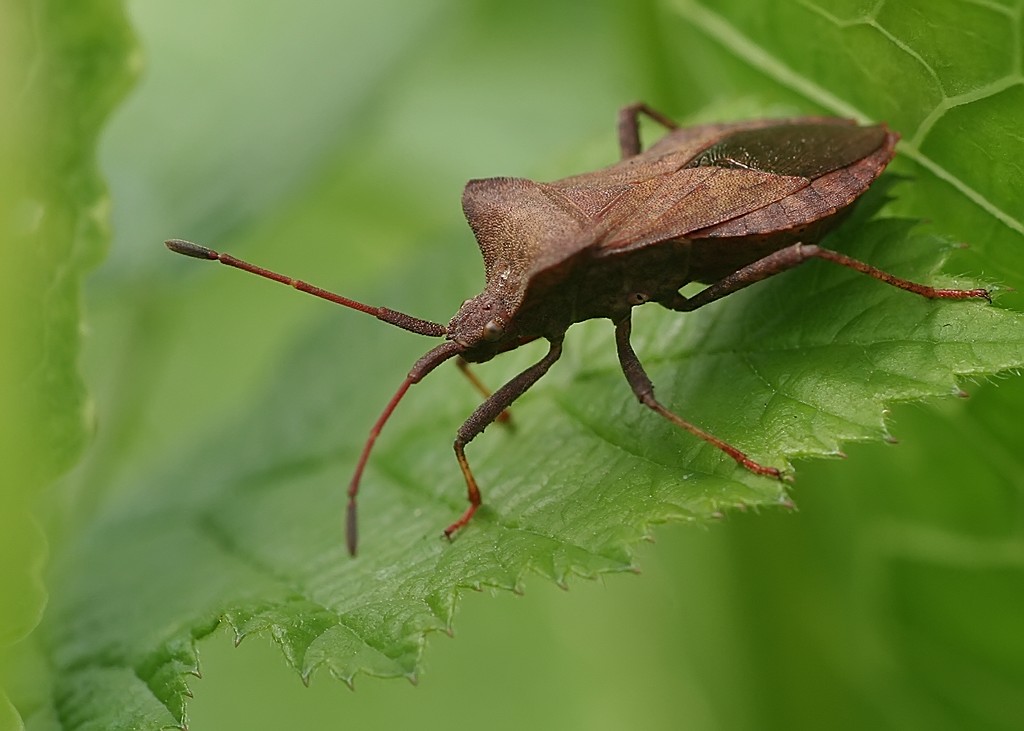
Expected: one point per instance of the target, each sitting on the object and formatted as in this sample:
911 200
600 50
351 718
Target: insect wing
688 200
804 150
826 196
780 169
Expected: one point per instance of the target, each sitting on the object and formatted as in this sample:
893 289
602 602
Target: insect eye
493 330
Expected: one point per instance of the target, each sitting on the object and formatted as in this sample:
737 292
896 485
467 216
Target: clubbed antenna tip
351 528
180 246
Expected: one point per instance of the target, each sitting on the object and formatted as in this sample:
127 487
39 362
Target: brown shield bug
726 205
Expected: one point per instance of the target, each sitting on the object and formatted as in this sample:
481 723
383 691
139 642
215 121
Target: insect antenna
421 368
398 319
431 360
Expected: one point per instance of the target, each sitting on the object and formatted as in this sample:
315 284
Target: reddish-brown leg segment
629 127
783 259
644 390
486 413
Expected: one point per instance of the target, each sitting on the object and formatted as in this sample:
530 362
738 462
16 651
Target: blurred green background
333 139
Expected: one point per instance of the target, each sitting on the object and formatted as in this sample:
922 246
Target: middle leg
644 390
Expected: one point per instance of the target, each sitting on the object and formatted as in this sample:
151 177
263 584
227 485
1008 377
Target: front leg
486 413
629 127
644 390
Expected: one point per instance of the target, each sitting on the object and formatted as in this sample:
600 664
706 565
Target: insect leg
504 418
922 289
644 390
783 259
629 126
487 412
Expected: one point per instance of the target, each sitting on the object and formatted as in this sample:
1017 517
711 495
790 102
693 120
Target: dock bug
726 205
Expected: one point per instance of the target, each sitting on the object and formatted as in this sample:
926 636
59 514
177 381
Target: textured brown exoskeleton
724 204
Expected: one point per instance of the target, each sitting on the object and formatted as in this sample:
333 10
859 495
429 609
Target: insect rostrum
726 205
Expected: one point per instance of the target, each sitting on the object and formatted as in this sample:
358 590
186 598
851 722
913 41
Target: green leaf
61 72
920 66
238 518
249 529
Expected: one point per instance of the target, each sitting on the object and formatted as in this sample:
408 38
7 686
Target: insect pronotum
726 205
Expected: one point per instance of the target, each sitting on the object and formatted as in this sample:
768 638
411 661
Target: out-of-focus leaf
61 72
